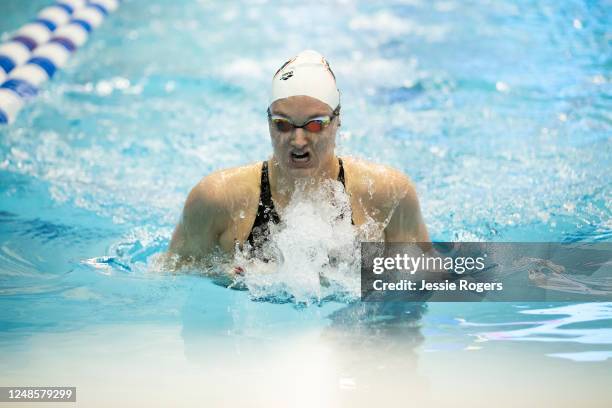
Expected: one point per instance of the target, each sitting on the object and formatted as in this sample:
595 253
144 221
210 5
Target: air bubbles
104 88
438 151
544 216
170 86
121 83
598 79
502 87
569 207
107 87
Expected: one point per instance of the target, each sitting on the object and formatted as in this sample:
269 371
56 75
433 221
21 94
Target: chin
301 172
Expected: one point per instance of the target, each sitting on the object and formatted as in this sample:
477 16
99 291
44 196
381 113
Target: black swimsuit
267 213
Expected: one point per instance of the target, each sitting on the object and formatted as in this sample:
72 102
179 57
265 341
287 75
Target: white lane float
41 47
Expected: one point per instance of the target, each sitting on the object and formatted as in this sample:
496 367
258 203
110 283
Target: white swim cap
308 73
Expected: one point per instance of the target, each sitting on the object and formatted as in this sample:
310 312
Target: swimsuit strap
265 195
341 179
341 173
265 210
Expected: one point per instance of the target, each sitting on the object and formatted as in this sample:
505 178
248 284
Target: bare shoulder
377 183
212 207
388 196
223 187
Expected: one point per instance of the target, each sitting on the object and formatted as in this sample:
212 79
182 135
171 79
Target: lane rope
41 47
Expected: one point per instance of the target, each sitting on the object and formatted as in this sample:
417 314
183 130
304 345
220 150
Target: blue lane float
37 50
17 50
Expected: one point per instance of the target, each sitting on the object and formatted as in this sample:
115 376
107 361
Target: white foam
314 252
244 67
387 23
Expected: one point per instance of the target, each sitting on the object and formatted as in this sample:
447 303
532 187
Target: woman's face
298 151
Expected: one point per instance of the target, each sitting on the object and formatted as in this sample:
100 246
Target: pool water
500 112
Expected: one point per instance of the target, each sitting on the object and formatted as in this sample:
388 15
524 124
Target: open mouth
300 157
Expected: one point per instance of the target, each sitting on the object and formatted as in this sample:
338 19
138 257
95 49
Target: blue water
499 111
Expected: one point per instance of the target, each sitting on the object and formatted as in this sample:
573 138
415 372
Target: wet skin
220 210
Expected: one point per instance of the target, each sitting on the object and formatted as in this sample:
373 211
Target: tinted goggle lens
283 125
313 126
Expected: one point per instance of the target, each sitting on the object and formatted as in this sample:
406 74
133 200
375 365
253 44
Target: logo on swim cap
311 76
286 75
284 65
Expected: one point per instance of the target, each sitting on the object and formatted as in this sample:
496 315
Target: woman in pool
235 205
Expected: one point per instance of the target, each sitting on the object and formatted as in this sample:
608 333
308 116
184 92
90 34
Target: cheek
325 144
279 142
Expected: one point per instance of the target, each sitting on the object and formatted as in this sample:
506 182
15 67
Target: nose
299 139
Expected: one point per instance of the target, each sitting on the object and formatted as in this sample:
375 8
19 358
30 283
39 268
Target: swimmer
235 206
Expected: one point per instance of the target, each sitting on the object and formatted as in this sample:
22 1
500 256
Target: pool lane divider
38 49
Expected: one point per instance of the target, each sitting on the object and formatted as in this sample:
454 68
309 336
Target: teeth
300 157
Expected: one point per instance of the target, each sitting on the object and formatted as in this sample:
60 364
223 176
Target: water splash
312 255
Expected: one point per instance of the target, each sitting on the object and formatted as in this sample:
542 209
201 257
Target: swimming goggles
315 125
